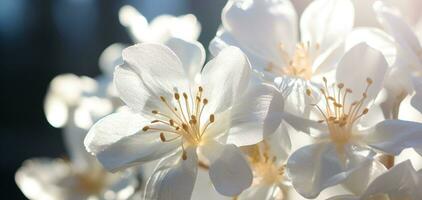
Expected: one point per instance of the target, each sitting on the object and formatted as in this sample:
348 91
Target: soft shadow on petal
392 136
225 78
191 54
229 171
316 167
174 178
358 64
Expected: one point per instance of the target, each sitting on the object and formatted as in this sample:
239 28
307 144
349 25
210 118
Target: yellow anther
163 99
155 121
340 85
308 92
366 110
176 96
154 112
200 89
145 128
369 81
212 118
205 101
162 137
184 155
185 95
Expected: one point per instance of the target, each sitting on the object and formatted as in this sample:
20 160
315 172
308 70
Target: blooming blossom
268 32
345 137
182 115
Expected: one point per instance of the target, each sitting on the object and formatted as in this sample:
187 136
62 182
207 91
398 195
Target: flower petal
165 27
229 171
174 178
191 54
401 180
358 64
261 192
359 180
326 22
135 22
392 136
402 32
417 98
262 26
253 119
110 58
157 65
118 141
225 78
316 167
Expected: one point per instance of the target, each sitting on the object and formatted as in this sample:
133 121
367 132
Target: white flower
268 32
50 179
344 143
182 115
161 28
400 182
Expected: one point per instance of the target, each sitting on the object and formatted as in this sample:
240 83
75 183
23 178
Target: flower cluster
309 106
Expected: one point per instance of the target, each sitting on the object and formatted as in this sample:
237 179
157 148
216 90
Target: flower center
264 165
339 114
181 118
93 182
300 64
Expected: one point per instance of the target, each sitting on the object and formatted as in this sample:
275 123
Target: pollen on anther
162 137
340 85
200 89
176 96
185 95
184 156
365 111
154 112
369 80
145 128
162 98
308 92
212 118
205 101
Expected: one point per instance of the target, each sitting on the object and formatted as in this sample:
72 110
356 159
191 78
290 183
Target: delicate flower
344 143
161 28
268 32
400 182
50 179
72 103
268 159
182 115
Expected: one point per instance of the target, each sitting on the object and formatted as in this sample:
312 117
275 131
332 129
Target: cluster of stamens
339 114
184 119
300 64
264 164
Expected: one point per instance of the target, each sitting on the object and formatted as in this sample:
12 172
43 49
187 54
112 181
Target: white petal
174 178
225 78
229 171
376 39
165 27
262 26
401 180
131 89
359 180
326 22
316 167
252 119
358 64
224 39
74 141
402 32
344 197
110 58
135 22
157 65
392 136
118 141
191 53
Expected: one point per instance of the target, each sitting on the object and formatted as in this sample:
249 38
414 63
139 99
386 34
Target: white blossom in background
161 28
345 136
268 31
400 182
183 115
69 104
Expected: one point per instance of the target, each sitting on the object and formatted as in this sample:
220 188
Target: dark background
40 39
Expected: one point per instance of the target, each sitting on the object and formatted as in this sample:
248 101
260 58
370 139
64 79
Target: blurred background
40 39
